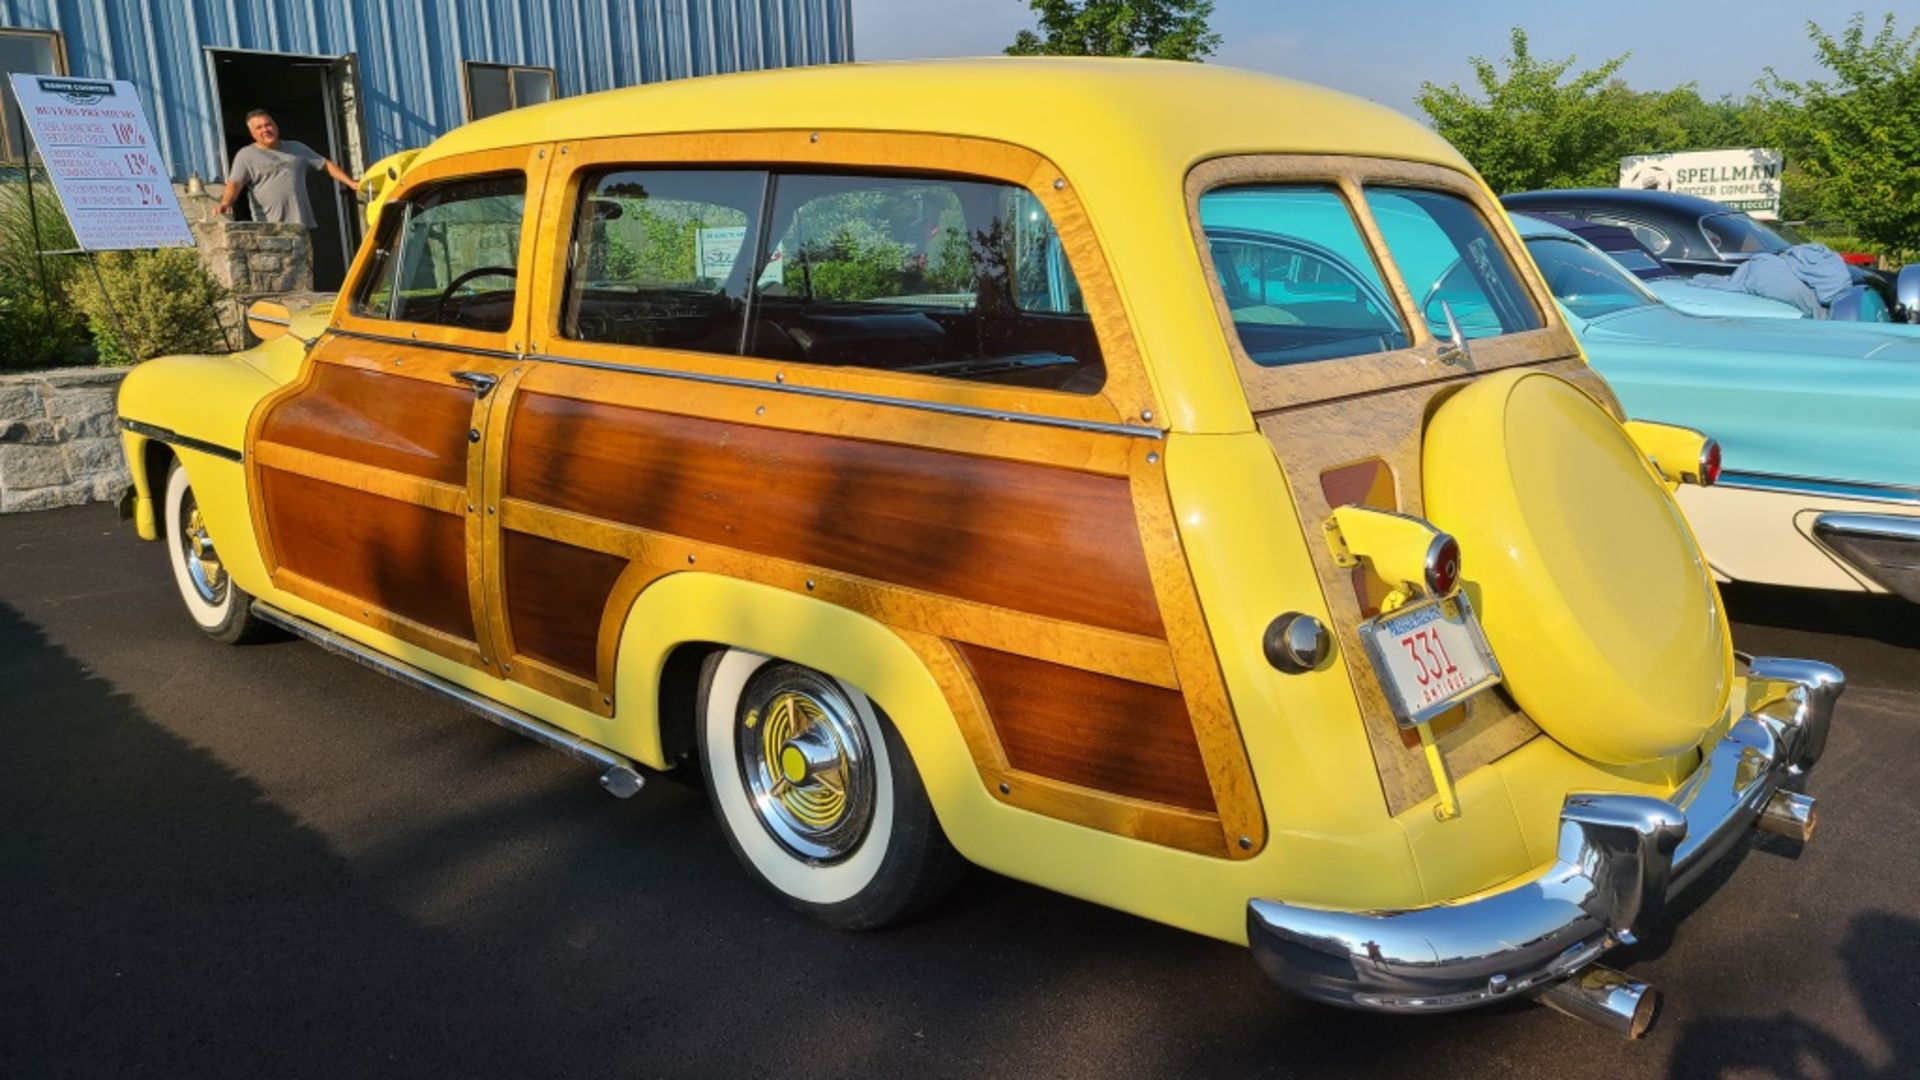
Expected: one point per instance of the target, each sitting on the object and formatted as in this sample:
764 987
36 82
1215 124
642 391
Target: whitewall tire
816 793
218 606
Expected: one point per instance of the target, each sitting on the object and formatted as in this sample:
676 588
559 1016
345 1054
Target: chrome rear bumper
1619 858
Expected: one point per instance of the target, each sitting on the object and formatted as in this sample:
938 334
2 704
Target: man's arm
238 177
340 174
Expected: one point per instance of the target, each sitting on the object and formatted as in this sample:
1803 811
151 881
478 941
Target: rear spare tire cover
1592 590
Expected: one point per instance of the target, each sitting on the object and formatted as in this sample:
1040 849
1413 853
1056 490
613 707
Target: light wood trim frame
1323 380
531 161
1127 395
418 351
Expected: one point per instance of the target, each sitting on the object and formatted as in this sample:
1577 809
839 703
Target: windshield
1588 283
1738 234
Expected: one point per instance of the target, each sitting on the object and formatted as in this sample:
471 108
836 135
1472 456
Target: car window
1657 240
662 258
964 279
448 256
1451 262
1738 234
1298 280
1584 280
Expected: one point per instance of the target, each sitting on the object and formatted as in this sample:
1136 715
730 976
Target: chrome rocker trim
619 775
1620 857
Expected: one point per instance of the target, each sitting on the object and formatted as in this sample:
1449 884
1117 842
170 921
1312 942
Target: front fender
199 407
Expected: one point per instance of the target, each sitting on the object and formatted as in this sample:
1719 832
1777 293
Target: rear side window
663 258
1297 278
1458 273
448 256
941 276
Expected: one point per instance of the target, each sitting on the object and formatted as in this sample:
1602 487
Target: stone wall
251 259
60 439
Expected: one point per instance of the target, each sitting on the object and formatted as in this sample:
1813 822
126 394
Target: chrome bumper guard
1620 857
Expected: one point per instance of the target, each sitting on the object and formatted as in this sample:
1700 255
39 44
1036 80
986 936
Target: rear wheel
219 607
817 794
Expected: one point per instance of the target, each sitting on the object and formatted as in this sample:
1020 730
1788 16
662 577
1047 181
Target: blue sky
1383 49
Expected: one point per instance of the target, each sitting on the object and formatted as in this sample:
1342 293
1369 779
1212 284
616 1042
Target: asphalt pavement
265 861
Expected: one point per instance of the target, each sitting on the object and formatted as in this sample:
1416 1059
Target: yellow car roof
1082 113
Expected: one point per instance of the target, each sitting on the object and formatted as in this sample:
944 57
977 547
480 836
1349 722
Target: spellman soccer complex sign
1742 179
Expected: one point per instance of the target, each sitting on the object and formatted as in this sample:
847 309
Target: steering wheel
446 294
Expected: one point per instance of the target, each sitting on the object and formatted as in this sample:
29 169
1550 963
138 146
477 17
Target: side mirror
268 319
1906 294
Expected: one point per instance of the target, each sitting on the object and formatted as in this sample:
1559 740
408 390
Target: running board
620 776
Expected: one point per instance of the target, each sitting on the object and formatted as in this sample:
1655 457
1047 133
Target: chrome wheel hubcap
203 562
807 765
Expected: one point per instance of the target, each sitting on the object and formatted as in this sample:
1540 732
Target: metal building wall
410 52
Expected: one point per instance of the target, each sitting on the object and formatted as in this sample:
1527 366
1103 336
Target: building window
495 88
37 52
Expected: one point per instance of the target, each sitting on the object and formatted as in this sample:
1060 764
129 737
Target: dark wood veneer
1046 540
1093 730
556 594
404 558
394 422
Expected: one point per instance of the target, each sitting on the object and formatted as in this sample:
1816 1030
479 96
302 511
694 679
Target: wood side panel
1050 541
1092 730
394 555
555 595
395 422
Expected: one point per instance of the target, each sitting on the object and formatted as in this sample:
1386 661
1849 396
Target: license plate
1430 656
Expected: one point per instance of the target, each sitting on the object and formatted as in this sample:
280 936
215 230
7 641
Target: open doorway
314 100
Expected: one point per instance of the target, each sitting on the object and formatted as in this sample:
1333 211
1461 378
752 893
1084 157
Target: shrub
153 303
38 326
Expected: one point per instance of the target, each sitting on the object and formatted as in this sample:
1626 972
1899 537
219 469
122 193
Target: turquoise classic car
1818 422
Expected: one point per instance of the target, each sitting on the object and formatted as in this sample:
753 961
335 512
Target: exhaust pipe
1603 996
1789 814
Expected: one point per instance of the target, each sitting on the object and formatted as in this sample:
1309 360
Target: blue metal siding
410 52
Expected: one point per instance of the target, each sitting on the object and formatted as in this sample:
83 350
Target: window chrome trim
446 346
777 385
1134 430
1814 485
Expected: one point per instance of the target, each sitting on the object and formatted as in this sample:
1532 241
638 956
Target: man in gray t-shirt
273 173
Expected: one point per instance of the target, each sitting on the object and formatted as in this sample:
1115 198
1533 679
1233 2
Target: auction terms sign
94 137
1742 179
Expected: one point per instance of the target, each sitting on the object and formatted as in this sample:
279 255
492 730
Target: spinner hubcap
808 767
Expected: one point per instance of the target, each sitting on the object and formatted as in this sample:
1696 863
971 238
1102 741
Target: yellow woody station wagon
1164 484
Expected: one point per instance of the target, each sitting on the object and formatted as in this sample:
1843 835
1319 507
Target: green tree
1536 126
1160 29
1855 140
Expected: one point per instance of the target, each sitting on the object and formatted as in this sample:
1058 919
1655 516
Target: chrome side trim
1619 858
1884 547
174 438
1813 485
1133 430
777 386
619 775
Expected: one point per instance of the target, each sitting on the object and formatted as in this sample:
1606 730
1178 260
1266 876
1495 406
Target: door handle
481 383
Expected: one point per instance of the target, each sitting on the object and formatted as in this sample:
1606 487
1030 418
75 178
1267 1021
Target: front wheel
817 794
217 605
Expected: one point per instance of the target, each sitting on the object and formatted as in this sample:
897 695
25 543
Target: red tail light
1710 463
1443 565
